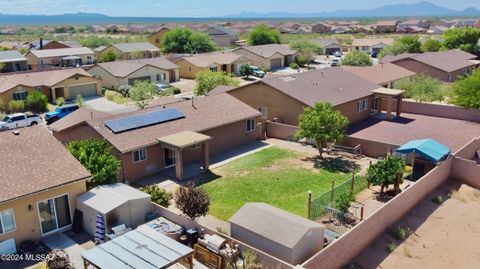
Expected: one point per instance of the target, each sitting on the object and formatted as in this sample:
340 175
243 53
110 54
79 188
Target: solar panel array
143 120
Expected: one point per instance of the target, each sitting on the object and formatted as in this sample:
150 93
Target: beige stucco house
129 51
226 62
157 37
66 57
38 191
272 56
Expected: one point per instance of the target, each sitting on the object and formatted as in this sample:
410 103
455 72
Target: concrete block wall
280 130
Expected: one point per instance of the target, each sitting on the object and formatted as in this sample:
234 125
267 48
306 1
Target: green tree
37 102
194 202
423 88
208 80
136 53
406 44
183 40
159 195
321 124
357 58
465 39
262 34
432 45
143 92
385 172
96 157
246 70
108 56
307 48
466 91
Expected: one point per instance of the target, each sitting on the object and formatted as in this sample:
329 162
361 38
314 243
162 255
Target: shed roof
429 149
11 56
106 198
141 248
61 52
34 161
274 224
184 139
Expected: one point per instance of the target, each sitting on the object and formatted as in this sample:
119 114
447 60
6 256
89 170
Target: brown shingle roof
332 85
267 51
75 118
447 61
380 74
274 224
43 78
205 60
34 161
125 68
208 113
221 89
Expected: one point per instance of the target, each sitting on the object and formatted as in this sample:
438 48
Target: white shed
281 234
119 203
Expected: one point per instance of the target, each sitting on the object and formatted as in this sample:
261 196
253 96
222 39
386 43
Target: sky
200 8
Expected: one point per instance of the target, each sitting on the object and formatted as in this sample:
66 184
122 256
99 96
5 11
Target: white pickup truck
19 120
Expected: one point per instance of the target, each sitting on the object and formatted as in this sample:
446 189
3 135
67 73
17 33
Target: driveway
102 104
185 85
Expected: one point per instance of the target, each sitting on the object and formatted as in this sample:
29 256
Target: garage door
276 63
83 90
331 51
131 81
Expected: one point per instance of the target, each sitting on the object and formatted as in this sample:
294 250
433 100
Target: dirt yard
442 236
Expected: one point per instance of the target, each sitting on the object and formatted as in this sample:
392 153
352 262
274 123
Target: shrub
423 88
79 100
343 201
438 200
58 259
16 106
159 195
357 58
301 60
109 95
193 202
294 66
391 246
60 101
37 102
124 90
400 233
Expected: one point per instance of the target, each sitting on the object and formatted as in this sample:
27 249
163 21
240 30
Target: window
157 41
362 105
449 77
189 69
54 214
20 96
139 155
213 68
7 221
19 118
263 110
161 77
250 125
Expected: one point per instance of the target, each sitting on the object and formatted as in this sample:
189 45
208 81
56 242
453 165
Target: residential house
341 29
227 62
66 83
352 95
289 237
386 75
466 23
52 44
222 36
402 26
67 57
12 61
386 26
172 134
40 181
329 45
129 51
321 28
445 65
437 30
270 57
115 74
157 37
370 45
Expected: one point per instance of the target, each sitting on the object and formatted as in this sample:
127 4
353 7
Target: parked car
374 54
19 120
334 62
257 71
59 113
337 53
161 87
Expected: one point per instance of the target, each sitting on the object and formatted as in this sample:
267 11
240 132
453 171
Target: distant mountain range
421 9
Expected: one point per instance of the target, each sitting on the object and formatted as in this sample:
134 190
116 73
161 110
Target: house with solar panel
168 135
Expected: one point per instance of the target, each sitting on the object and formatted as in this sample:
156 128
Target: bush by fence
328 199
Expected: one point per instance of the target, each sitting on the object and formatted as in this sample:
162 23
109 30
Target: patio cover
71 57
184 139
428 149
141 248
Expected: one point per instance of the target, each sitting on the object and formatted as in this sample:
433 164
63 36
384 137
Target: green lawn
273 176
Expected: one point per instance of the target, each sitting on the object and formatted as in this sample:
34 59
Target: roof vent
16 132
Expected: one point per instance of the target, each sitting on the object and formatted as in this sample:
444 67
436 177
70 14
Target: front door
54 214
375 105
169 158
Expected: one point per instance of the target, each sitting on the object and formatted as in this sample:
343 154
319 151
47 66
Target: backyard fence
317 208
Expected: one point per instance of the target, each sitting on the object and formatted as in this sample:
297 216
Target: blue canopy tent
427 149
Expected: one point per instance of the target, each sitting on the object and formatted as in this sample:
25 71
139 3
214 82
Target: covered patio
141 248
183 140
389 97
